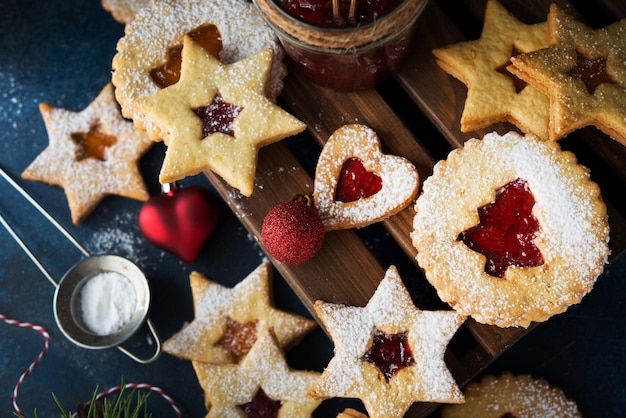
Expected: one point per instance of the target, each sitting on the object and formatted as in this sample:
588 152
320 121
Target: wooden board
416 115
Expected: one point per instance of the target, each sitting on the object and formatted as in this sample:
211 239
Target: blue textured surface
60 52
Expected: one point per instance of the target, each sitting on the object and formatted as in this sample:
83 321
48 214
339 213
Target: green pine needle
123 405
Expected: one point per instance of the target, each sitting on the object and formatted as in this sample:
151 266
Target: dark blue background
60 52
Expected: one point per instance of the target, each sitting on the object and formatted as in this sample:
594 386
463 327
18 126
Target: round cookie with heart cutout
511 229
356 184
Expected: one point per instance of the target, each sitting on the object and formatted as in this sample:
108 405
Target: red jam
206 36
390 353
343 44
355 182
238 338
218 116
92 144
506 230
592 72
261 406
320 12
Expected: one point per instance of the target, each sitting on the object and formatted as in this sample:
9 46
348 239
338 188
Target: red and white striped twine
102 394
30 368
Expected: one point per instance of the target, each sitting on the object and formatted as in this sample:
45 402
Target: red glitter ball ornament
293 232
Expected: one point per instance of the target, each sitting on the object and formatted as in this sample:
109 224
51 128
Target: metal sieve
66 308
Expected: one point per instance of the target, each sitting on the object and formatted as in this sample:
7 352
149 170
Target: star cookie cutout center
232 155
261 405
494 94
227 319
91 154
238 337
518 83
591 71
583 72
390 353
218 116
390 311
92 144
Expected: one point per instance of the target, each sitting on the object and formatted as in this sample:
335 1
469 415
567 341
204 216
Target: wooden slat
325 110
345 271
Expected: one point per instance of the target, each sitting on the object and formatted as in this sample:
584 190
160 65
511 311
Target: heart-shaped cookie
180 220
356 184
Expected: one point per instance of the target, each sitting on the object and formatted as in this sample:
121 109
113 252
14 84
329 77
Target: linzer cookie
124 11
262 381
91 154
148 56
356 184
493 93
583 71
217 117
226 320
511 395
389 353
510 229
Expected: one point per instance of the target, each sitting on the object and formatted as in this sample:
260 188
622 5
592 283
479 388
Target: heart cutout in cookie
356 184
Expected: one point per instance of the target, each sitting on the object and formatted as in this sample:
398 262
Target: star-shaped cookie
256 123
91 154
583 71
226 316
264 377
493 94
363 336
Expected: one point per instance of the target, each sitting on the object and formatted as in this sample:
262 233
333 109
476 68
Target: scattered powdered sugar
108 302
573 237
120 238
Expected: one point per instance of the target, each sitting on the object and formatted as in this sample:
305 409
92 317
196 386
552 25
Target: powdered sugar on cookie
285 391
573 236
512 395
422 378
249 301
87 179
397 177
156 29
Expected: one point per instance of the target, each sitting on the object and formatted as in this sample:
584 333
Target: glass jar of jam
343 49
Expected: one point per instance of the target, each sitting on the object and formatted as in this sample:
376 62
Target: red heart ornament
180 220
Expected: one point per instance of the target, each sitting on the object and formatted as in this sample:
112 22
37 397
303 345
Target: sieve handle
28 252
41 210
157 352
